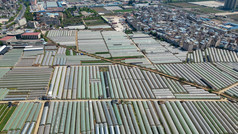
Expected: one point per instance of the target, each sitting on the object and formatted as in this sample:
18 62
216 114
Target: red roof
36 33
6 38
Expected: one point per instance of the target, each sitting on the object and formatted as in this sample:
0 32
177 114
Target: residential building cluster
183 29
8 9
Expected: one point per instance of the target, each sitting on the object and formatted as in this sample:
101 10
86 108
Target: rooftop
6 38
35 33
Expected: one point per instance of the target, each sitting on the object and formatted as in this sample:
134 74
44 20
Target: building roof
6 38
51 4
35 33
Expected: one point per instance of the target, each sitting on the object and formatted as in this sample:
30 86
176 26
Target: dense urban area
119 66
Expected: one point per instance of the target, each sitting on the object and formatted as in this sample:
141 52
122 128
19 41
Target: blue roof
59 3
234 26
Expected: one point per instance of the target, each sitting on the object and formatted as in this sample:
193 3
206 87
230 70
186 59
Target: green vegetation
67 52
28 15
68 12
13 23
95 21
45 36
19 8
68 19
103 69
11 19
210 90
182 79
71 47
102 53
131 2
6 116
128 31
86 9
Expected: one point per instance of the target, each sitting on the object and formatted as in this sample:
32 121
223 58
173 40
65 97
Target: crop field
138 117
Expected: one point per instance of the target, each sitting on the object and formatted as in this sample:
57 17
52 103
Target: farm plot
202 73
92 42
232 91
5 114
10 58
95 82
230 68
45 59
21 118
3 93
212 55
101 117
3 71
139 61
29 57
63 37
26 83
119 45
77 60
158 51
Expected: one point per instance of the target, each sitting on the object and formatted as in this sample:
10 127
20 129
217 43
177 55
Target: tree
131 2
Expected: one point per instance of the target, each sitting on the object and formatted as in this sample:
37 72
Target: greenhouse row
212 55
63 37
75 60
59 33
95 82
10 58
26 83
119 45
156 50
139 117
230 68
202 73
48 58
3 93
5 114
20 118
92 42
25 62
3 71
233 91
139 61
61 51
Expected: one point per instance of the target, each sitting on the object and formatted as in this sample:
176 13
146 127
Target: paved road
227 88
21 13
